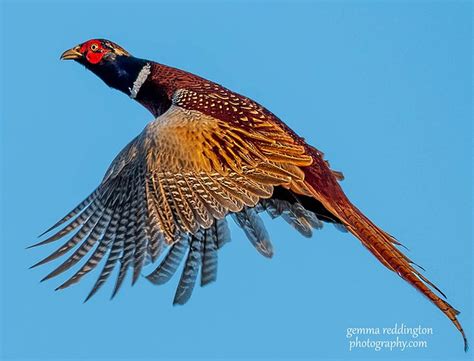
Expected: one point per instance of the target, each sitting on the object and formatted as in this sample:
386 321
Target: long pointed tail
383 246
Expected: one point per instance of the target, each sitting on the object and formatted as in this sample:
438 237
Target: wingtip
64 285
181 298
265 249
179 302
88 297
35 245
43 261
42 234
114 293
136 276
207 282
35 265
134 280
268 254
50 229
45 278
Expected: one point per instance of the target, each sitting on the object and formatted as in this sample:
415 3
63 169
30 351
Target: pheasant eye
94 47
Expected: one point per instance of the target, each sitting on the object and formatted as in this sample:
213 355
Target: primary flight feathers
209 153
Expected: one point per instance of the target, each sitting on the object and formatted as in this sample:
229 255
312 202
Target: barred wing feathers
171 188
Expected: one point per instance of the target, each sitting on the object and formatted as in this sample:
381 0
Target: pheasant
209 153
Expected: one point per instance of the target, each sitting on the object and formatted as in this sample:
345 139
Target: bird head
94 52
109 61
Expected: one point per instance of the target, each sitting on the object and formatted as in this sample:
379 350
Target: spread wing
212 153
172 187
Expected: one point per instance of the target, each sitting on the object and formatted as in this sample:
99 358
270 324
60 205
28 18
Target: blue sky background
383 88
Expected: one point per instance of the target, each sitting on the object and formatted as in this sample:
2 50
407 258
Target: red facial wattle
94 57
93 51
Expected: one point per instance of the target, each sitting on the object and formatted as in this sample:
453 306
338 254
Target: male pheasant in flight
208 153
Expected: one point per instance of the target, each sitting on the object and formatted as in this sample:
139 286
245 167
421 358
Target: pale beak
71 54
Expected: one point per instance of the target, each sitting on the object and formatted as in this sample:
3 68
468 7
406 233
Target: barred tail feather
383 247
